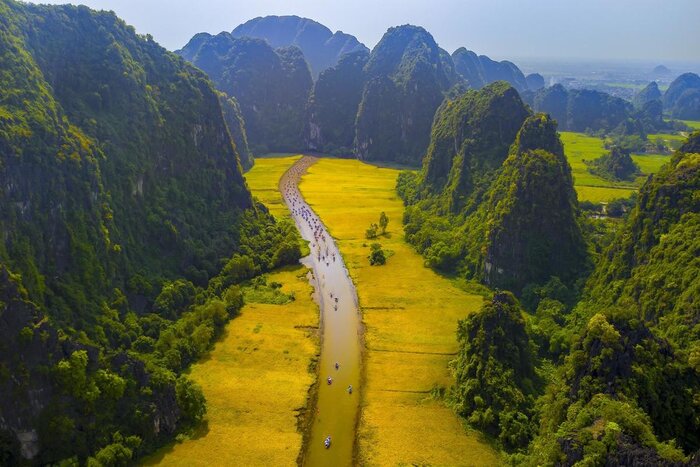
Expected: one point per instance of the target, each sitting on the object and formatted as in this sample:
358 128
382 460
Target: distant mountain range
302 87
321 47
378 105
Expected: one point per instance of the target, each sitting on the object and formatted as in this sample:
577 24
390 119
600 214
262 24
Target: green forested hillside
630 383
271 86
495 198
406 82
334 103
682 98
620 367
125 225
236 126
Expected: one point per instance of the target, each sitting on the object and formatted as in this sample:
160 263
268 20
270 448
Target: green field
692 124
579 147
410 315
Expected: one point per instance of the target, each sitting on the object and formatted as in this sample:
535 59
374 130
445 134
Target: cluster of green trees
616 165
126 231
607 376
376 230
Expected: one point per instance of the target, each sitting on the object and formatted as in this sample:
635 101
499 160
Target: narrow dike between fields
336 408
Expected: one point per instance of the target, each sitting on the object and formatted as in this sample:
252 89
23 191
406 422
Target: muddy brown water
336 410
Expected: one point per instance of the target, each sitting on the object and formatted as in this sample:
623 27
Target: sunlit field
579 147
255 380
692 124
410 316
263 181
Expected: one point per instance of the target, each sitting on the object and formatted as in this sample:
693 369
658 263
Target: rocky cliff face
470 139
334 103
271 86
236 127
406 82
322 48
480 70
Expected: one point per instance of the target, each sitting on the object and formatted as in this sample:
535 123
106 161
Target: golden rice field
410 315
263 180
579 147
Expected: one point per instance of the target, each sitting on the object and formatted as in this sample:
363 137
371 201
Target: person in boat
350 389
337 365
330 380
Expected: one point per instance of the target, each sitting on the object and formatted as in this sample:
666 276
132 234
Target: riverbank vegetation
255 380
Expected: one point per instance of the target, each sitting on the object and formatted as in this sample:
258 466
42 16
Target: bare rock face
322 48
532 231
407 76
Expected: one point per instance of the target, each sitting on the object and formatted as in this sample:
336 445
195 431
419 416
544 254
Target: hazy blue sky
607 29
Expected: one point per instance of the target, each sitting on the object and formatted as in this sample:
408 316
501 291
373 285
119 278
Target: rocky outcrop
322 48
406 82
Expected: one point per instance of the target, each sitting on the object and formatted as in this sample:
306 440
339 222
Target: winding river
336 408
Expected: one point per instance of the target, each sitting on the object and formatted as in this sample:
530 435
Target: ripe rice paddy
256 378
255 381
410 316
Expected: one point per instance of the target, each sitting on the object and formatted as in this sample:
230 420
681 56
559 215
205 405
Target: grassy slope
258 375
593 188
410 315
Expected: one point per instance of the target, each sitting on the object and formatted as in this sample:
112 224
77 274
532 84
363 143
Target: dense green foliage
682 98
407 79
616 165
470 139
333 105
271 86
622 365
478 71
495 372
322 48
495 198
377 256
126 226
630 383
